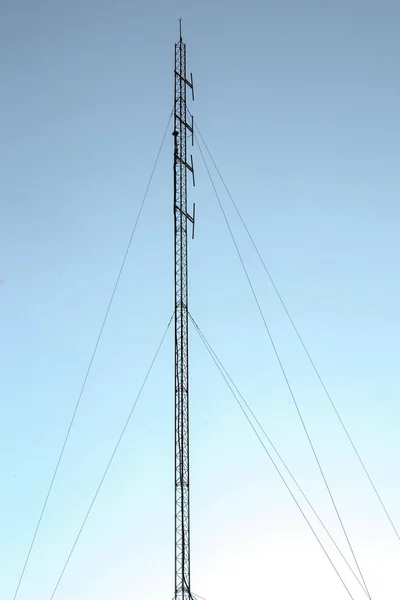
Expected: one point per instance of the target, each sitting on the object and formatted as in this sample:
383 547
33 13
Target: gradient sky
299 104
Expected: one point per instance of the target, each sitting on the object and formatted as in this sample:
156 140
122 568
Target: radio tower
182 513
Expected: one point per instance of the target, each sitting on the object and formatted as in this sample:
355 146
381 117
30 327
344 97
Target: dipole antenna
181 217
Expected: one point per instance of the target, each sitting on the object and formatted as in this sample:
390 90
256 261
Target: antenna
181 217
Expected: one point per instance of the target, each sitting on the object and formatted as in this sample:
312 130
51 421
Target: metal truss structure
182 129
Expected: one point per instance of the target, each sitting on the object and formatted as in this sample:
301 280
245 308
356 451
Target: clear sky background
299 104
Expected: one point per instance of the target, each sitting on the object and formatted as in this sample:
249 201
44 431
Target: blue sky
298 102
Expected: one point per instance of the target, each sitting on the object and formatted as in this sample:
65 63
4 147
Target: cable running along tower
182 130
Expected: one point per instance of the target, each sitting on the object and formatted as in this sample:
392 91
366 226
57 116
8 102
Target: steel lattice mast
182 513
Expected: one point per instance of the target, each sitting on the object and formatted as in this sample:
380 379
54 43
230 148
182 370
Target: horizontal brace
185 214
192 220
184 123
188 83
183 162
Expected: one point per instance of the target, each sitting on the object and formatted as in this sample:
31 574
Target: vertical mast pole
181 217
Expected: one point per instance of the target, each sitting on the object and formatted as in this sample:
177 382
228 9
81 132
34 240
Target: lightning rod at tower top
182 130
